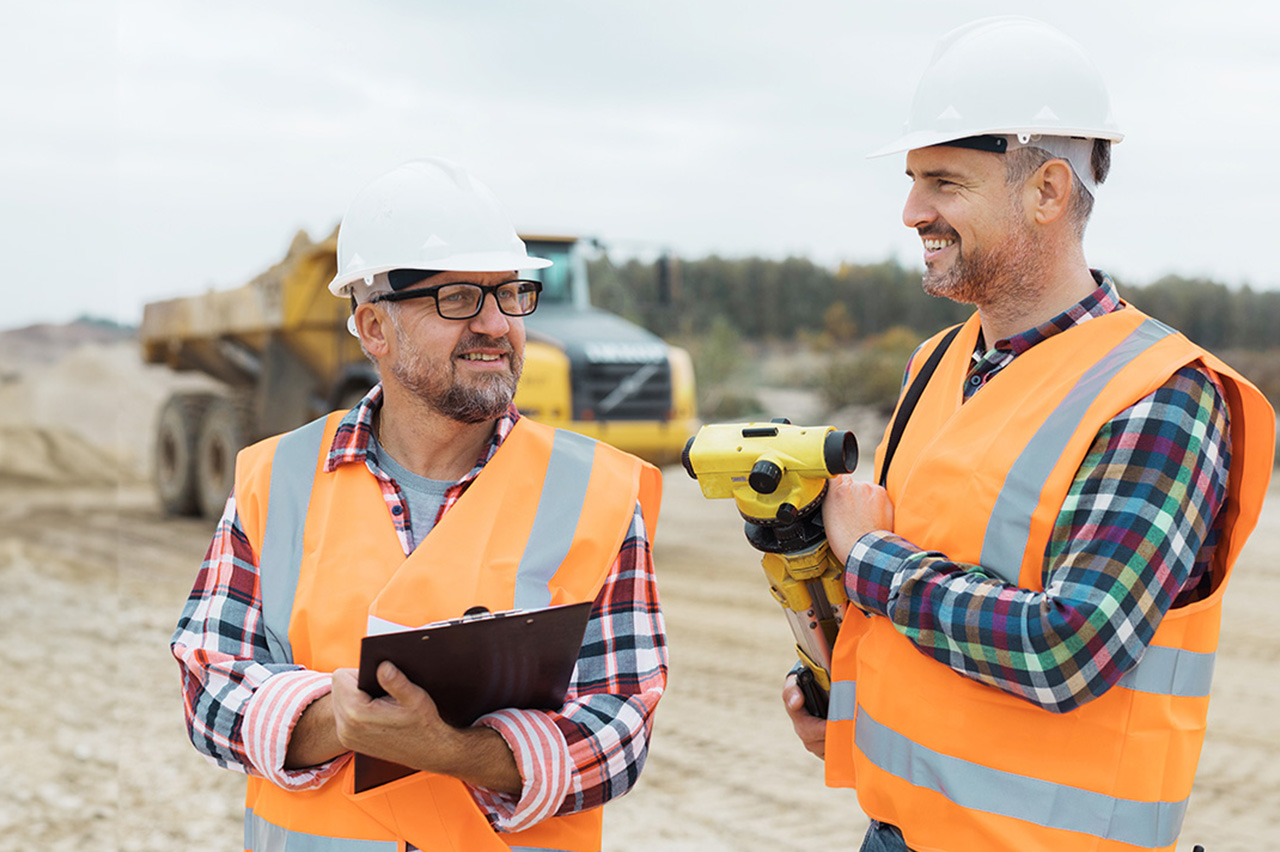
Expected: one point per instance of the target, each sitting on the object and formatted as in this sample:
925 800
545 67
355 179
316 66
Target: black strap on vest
910 399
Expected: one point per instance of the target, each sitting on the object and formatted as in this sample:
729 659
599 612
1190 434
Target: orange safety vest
964 767
540 526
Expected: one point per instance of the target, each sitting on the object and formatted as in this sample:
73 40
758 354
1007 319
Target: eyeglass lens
462 301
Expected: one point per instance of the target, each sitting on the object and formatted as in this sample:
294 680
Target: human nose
917 212
490 320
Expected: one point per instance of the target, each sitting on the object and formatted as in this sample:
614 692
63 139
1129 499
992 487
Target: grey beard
466 404
474 404
436 385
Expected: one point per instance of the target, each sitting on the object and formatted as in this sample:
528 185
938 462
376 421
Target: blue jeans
882 837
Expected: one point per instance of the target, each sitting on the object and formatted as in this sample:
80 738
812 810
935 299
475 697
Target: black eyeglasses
463 300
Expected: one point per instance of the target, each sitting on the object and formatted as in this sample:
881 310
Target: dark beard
437 385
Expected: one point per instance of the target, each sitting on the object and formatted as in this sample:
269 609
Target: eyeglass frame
485 290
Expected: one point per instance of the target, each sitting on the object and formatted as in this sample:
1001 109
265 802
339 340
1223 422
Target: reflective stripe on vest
563 495
842 701
1145 824
1009 526
293 474
1162 671
262 836
1171 671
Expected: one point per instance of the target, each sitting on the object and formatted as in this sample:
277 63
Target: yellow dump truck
280 347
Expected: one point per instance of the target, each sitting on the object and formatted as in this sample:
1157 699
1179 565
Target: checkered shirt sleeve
1134 536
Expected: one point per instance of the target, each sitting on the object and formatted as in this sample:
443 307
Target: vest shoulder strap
911 397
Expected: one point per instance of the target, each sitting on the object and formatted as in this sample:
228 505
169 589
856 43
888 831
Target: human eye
458 300
456 295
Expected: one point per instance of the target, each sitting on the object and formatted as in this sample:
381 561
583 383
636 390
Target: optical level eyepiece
840 452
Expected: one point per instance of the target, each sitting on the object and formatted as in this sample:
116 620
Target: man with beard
429 498
1037 576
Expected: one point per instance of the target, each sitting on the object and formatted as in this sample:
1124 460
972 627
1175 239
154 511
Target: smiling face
979 246
467 370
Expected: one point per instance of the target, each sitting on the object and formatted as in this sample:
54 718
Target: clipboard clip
479 613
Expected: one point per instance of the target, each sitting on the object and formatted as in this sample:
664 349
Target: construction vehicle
280 347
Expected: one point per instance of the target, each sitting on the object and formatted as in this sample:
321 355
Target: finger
397 684
792 698
811 730
839 485
813 734
392 679
346 691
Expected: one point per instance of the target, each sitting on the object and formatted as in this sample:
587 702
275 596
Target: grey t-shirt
424 496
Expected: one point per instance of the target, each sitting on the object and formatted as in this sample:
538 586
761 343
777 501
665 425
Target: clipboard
476 665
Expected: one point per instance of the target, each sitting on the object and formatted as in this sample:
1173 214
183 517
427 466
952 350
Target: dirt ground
95 755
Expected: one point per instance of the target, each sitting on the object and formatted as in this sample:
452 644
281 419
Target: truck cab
593 372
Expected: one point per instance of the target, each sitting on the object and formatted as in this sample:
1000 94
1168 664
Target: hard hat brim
477 262
929 138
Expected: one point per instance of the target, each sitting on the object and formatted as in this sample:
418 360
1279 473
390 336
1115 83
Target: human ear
1050 189
371 323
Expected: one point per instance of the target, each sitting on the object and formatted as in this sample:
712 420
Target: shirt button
975 380
396 510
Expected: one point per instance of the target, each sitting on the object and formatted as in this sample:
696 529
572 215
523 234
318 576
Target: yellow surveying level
777 474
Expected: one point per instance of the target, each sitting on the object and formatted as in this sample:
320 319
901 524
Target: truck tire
175 452
223 433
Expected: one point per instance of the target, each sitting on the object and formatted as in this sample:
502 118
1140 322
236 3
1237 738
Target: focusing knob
764 477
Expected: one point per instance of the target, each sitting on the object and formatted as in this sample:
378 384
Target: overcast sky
155 148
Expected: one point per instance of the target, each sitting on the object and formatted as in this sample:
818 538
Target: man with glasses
432 496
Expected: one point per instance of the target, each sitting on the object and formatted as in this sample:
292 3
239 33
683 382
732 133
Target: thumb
392 680
791 695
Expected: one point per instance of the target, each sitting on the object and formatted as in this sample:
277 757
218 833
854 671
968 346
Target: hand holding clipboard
474 666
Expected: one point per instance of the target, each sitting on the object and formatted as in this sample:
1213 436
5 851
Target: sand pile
35 455
77 408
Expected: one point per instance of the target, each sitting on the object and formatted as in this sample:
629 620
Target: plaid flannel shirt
1134 537
241 705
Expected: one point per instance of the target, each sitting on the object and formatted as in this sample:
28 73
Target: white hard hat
426 214
1007 75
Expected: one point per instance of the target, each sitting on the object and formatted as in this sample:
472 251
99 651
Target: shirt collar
351 443
1100 302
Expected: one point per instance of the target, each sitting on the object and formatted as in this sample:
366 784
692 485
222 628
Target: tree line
782 300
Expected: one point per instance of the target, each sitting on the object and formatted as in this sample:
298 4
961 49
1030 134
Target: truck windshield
557 278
